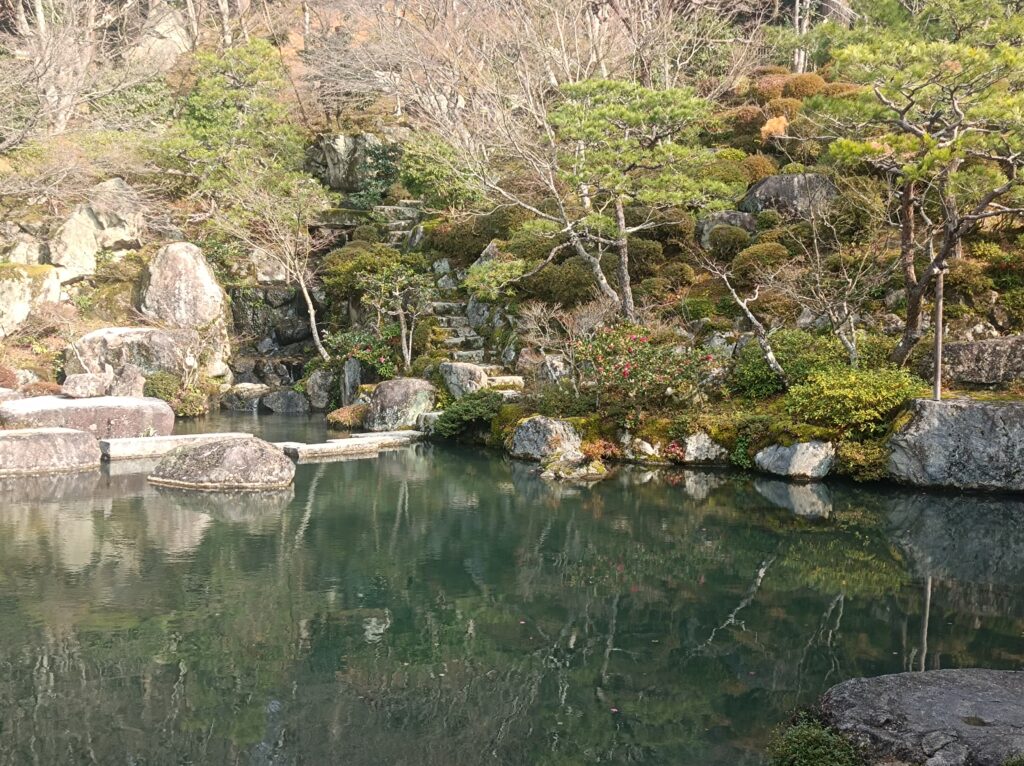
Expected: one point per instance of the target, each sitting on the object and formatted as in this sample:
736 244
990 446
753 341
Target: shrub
1005 268
697 307
852 400
375 351
726 241
745 119
766 255
463 239
162 385
784 107
840 89
186 401
347 418
655 288
569 283
8 377
768 87
809 743
768 219
487 281
678 273
477 408
800 353
1013 302
967 278
863 461
776 127
803 85
793 168
645 255
759 166
367 232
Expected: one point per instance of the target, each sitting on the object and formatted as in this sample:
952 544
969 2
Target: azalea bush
375 351
628 370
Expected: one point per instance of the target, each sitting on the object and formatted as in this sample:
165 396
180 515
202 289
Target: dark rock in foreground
47 450
229 464
105 417
939 718
961 443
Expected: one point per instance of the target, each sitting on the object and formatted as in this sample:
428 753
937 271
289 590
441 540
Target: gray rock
709 223
319 387
179 289
812 501
23 248
164 38
806 460
953 717
47 450
477 312
701 449
244 397
286 402
85 385
351 379
229 464
111 221
105 417
24 289
797 194
341 162
461 378
147 348
292 329
984 363
128 381
542 438
961 443
395 404
8 394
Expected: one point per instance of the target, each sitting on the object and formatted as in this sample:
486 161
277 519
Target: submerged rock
543 438
228 464
244 397
47 450
812 501
104 417
961 443
396 404
938 718
806 460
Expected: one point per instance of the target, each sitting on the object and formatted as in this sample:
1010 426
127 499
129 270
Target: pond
444 605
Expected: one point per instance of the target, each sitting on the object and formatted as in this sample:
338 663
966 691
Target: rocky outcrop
86 385
104 417
47 450
244 397
148 349
803 461
960 443
320 386
24 289
164 38
396 404
542 438
983 363
179 289
227 464
112 221
796 194
461 378
706 225
937 718
342 162
701 449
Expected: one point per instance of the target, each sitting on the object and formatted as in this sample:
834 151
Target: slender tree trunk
625 288
595 268
908 249
312 320
940 283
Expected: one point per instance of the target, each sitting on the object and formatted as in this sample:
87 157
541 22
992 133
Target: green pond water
444 605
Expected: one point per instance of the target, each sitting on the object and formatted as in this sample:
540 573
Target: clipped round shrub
793 168
799 352
776 127
803 85
852 400
768 219
366 232
810 743
967 278
477 408
808 150
678 273
569 283
840 89
645 256
784 107
744 119
768 87
654 288
766 255
726 241
696 307
765 69
759 166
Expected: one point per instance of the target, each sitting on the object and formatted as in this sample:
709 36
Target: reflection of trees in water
439 607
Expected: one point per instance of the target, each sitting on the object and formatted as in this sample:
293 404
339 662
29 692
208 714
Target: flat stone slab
938 718
105 417
47 450
143 447
351 446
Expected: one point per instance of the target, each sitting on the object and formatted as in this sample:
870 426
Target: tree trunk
625 288
595 268
908 247
312 320
940 282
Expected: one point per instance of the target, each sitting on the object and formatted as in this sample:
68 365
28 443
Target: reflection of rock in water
254 510
813 501
50 489
175 530
700 484
972 539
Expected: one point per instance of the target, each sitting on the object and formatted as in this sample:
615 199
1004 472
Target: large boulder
967 717
542 438
112 221
342 162
709 223
983 363
87 385
47 450
24 289
164 38
148 349
396 404
179 289
461 378
105 417
960 443
798 195
320 387
700 449
803 461
227 464
286 402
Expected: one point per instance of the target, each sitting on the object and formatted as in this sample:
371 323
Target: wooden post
940 280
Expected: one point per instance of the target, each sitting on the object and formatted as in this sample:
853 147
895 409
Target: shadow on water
446 606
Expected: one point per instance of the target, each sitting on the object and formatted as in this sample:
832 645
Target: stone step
398 238
402 225
469 342
493 370
506 381
397 212
453 322
156 446
356 445
473 357
459 332
448 308
415 203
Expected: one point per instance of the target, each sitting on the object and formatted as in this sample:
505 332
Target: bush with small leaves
750 260
366 233
727 241
768 219
478 408
768 87
745 119
678 273
653 288
784 107
697 307
840 89
808 742
853 401
758 167
799 352
803 85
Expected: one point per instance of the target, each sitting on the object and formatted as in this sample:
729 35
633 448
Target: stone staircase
464 344
403 222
